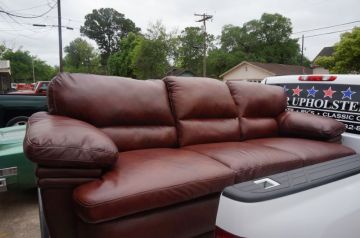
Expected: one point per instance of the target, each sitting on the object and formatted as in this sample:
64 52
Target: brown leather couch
120 157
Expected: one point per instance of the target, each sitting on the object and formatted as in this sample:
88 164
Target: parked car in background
38 88
16 172
16 107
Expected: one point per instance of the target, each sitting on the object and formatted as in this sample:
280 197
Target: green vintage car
16 172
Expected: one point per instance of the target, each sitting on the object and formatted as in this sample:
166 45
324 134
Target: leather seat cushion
249 160
146 179
310 151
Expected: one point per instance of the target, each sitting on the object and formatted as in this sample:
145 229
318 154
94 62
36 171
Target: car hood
11 139
11 135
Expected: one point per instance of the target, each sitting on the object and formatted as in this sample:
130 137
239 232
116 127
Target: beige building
5 73
255 71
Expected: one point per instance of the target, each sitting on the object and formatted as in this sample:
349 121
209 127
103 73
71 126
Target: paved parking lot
19 217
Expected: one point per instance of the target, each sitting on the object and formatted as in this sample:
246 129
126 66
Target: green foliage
151 55
107 27
158 32
21 66
120 63
81 57
150 59
43 71
346 57
2 50
264 40
191 49
328 62
219 61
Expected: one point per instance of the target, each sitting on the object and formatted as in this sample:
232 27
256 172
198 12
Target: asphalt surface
19 214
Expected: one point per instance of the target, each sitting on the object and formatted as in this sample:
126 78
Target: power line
327 33
25 9
327 27
28 17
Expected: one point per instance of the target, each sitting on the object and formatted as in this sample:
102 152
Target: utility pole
59 26
61 67
33 69
204 18
302 50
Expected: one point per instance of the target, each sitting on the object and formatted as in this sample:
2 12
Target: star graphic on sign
348 93
297 91
312 92
285 88
329 92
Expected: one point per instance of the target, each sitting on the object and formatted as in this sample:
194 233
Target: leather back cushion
134 113
204 110
258 106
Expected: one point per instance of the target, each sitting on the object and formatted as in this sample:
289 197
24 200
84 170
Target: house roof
274 69
178 72
326 51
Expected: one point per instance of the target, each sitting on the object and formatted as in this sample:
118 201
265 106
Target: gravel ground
19 214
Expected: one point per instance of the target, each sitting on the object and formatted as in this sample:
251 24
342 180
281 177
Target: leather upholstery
199 131
258 106
250 161
204 110
310 151
142 137
59 141
146 179
297 124
58 207
121 107
257 100
182 220
153 188
42 172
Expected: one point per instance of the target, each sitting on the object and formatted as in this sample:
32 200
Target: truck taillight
317 78
220 233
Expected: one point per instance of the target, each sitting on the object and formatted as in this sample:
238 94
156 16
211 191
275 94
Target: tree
150 59
107 27
158 32
152 56
21 63
191 49
265 40
120 63
346 57
219 61
81 57
2 49
43 71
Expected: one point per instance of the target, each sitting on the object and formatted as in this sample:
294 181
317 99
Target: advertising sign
337 101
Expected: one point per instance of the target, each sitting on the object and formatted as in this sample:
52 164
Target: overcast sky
175 14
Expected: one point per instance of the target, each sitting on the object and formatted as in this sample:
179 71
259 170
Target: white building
5 73
255 71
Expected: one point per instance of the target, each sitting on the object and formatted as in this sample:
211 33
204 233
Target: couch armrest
58 141
306 125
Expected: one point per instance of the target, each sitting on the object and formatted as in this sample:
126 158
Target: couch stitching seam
86 204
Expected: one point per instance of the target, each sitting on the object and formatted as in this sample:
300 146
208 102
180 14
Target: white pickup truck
335 96
315 201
